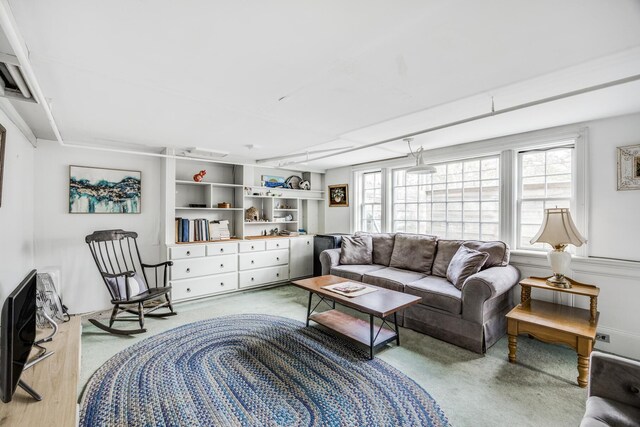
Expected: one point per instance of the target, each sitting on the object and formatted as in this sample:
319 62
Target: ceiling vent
12 83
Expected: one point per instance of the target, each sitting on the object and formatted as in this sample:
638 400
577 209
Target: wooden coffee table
383 303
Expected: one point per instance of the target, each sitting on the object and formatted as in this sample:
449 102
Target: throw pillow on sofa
498 254
465 263
356 250
382 246
413 252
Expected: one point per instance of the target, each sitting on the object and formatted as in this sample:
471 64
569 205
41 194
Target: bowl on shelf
224 205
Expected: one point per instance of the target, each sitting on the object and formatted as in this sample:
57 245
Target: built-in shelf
213 184
286 210
270 222
286 190
178 208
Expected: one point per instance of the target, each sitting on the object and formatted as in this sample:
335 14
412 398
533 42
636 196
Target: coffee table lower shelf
355 329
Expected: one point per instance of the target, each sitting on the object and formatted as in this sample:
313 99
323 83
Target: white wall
614 232
614 216
16 213
338 219
59 235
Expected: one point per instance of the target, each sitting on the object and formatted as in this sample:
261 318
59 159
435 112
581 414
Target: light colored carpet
473 390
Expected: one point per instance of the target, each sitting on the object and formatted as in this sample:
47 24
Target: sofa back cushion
498 254
382 246
356 250
465 262
414 252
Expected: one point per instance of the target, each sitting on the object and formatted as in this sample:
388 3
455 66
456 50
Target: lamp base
559 281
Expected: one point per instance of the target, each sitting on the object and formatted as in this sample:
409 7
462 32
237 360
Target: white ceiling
211 73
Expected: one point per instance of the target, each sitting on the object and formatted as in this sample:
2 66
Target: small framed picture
339 195
629 167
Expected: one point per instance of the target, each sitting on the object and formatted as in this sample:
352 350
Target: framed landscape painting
109 191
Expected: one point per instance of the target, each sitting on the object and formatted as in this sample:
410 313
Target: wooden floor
55 379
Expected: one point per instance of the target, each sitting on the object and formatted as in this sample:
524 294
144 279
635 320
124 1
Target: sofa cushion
606 412
391 278
413 252
498 252
465 263
354 272
356 250
437 292
382 246
446 249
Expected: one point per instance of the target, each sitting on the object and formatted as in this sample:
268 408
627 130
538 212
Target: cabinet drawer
277 244
252 246
192 288
187 268
264 259
263 276
222 249
182 252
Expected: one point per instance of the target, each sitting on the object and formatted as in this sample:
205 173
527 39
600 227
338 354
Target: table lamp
558 230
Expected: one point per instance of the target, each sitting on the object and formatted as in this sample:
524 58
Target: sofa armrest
329 258
614 378
486 284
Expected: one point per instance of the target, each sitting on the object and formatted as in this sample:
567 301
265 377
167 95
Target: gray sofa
614 392
472 317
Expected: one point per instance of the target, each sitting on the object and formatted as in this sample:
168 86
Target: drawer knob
188 253
277 258
221 265
308 242
252 247
252 279
188 270
277 245
188 290
252 262
277 274
221 283
221 249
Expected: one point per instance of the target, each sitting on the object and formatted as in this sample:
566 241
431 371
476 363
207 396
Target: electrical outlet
602 337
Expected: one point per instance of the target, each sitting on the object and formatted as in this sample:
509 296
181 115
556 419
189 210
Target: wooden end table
556 323
383 304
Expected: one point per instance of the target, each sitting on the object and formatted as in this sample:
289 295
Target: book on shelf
201 230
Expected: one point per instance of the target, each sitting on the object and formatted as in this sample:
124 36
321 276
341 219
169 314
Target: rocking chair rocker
127 279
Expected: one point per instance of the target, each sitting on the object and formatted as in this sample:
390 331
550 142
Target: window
544 181
460 201
371 205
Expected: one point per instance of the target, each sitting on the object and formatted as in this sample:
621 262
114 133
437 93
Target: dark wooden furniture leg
309 307
371 332
395 323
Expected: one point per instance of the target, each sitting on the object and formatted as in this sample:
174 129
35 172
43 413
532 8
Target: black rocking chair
113 252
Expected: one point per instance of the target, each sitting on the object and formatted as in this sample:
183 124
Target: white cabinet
277 244
252 246
188 268
263 276
201 286
184 252
301 256
264 259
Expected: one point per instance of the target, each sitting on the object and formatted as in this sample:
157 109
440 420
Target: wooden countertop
55 379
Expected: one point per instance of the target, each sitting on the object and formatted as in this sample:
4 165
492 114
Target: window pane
454 192
533 187
559 186
546 182
491 190
489 232
452 203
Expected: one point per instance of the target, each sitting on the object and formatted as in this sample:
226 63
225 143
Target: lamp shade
558 229
421 167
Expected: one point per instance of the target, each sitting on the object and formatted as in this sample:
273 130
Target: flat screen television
17 335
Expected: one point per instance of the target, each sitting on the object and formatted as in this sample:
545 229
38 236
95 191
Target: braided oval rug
252 370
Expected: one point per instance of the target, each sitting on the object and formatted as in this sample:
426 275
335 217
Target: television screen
17 334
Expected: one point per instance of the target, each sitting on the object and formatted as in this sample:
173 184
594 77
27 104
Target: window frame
499 178
363 204
507 148
519 181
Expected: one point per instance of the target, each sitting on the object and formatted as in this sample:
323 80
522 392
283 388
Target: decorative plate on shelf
293 182
305 185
